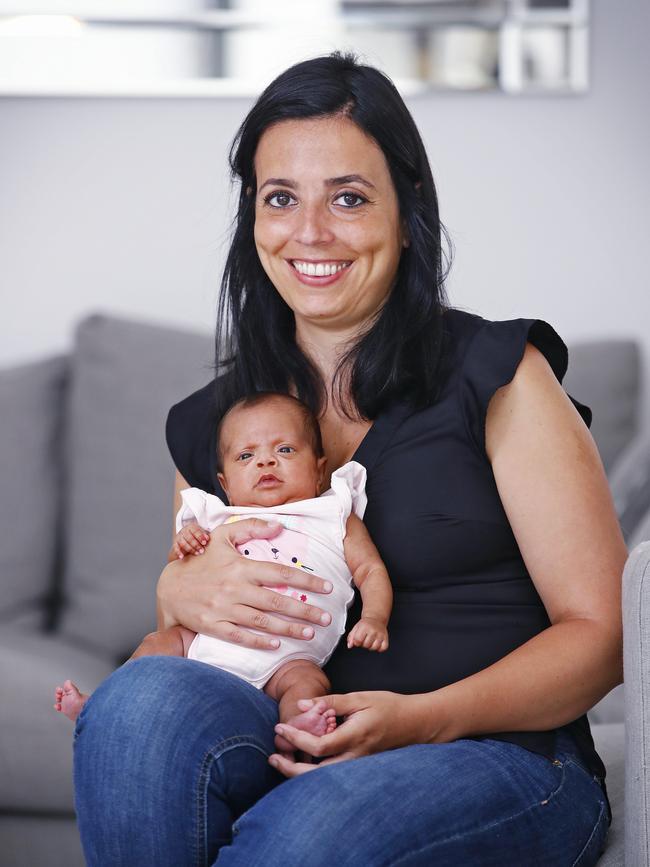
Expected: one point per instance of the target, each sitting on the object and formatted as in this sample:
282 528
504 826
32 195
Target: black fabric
462 595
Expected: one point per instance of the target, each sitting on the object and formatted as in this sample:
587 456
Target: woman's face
327 225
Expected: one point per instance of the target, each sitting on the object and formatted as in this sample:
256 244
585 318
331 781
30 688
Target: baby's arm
192 539
371 577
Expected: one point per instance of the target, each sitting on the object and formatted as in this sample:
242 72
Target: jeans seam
485 827
211 755
576 863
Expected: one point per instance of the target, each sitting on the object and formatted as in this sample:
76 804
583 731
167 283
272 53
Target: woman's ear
406 240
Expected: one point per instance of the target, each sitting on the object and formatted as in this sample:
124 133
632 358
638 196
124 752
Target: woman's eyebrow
329 182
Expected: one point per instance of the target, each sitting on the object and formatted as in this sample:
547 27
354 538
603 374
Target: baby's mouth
268 480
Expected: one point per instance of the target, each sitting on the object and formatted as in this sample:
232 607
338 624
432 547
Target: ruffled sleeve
492 358
348 485
198 507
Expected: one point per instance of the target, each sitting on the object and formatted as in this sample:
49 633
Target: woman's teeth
322 269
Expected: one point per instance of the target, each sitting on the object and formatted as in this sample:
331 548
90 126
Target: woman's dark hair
309 420
399 355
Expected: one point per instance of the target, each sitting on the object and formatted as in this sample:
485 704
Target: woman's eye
351 200
279 200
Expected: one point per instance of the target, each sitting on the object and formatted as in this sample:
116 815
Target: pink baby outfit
312 540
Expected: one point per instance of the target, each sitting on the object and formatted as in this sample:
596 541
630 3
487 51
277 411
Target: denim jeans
171 770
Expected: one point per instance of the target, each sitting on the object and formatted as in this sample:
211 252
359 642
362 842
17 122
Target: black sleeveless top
463 597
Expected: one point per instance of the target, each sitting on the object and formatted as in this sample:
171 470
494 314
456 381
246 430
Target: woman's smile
319 273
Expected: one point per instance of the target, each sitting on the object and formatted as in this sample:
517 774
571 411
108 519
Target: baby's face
268 458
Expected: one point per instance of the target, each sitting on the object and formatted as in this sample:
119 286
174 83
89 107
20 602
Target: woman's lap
202 737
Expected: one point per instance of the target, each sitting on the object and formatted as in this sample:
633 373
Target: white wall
124 204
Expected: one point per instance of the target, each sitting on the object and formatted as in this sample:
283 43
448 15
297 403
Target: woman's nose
314 225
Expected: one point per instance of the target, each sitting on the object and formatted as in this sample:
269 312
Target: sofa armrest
636 665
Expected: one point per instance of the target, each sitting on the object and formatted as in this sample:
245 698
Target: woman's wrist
431 713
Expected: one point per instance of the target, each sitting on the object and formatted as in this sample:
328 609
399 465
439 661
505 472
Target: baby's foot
318 720
69 700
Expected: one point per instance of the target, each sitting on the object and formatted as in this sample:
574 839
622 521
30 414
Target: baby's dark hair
312 428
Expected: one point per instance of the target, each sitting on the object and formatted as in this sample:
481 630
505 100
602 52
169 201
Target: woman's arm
554 491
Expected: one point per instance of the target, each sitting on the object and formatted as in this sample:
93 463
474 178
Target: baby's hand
369 633
192 539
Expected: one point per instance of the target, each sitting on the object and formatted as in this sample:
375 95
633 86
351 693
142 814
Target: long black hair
399 355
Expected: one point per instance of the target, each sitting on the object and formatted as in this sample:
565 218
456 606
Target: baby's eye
351 200
244 456
280 199
286 449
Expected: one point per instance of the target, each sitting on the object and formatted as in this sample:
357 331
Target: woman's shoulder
484 355
475 340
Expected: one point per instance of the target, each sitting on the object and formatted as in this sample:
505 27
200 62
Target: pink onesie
312 540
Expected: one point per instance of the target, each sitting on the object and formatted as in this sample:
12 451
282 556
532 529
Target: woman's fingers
253 618
251 528
316 745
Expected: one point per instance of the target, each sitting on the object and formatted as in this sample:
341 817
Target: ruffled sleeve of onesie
348 485
198 507
492 359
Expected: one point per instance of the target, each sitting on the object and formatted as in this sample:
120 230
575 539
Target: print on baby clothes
262 546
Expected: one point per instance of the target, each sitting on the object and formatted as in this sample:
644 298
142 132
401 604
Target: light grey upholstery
605 375
636 653
125 376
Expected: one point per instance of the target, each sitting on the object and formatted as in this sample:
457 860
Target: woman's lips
313 279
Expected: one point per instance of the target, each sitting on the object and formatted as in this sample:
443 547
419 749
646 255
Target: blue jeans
171 770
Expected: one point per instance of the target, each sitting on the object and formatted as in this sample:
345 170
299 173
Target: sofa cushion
630 484
35 740
30 439
604 374
125 377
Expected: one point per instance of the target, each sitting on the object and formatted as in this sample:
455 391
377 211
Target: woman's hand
374 721
221 592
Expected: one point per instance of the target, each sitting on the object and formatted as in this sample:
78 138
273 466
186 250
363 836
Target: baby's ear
222 481
321 464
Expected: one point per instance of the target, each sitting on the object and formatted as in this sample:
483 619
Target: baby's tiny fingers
199 536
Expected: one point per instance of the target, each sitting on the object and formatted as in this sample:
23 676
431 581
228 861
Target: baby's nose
266 460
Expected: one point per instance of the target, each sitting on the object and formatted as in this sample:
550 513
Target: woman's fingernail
279 730
325 619
327 586
308 632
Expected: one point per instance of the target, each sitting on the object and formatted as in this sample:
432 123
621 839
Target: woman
487 501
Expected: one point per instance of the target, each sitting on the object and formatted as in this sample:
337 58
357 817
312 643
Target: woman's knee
158 696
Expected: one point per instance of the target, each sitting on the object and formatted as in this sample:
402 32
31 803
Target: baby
271 466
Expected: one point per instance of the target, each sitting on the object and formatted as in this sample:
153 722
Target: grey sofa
86 520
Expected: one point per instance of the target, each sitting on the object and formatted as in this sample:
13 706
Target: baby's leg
173 641
295 680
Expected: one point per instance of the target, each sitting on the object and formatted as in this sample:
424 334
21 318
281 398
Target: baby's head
269 451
